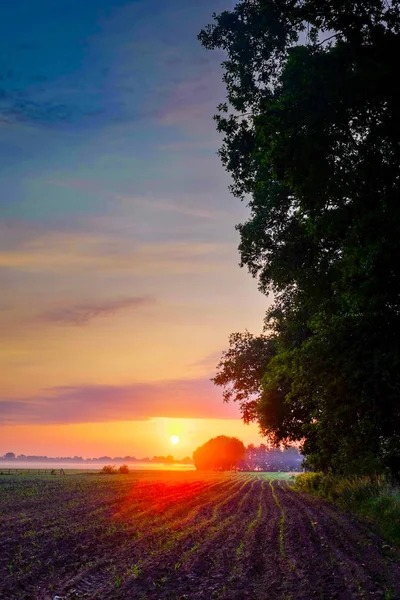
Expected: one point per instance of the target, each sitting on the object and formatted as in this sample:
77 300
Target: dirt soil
176 536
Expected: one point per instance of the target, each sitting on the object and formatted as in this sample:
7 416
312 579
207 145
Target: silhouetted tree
9 456
241 370
311 129
221 453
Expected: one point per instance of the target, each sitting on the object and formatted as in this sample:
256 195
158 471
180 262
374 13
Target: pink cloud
82 314
192 398
193 102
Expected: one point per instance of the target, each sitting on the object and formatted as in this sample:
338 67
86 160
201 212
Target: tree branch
327 39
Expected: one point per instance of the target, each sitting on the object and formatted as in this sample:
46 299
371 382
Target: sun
174 439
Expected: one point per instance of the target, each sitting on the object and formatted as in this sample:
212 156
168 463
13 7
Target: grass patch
371 498
275 475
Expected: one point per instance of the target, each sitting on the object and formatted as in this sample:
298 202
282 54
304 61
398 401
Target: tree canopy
221 453
311 127
241 370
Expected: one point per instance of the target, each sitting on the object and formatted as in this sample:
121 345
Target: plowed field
176 536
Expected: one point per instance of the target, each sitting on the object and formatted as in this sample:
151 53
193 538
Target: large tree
222 453
311 128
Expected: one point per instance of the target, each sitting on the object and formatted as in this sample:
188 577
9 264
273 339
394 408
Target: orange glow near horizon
121 438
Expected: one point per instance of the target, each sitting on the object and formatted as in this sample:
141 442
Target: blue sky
118 259
129 77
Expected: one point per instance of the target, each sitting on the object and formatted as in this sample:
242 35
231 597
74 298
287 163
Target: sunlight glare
174 439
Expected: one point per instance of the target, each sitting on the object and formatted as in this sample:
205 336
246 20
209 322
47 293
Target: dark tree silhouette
221 453
241 370
9 456
311 128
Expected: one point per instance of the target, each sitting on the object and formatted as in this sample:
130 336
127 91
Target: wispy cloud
21 107
192 103
208 363
195 398
149 203
211 143
82 314
87 251
133 54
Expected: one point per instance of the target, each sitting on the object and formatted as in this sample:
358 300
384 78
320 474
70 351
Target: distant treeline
10 456
262 458
224 453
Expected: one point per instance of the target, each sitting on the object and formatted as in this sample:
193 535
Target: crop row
99 534
180 536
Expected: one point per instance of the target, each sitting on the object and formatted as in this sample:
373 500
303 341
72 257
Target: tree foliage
241 369
311 128
221 453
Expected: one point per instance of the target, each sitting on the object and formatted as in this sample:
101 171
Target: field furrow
184 536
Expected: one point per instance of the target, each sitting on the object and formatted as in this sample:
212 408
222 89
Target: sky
119 270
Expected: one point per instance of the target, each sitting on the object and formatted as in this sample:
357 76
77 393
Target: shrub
124 469
109 470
